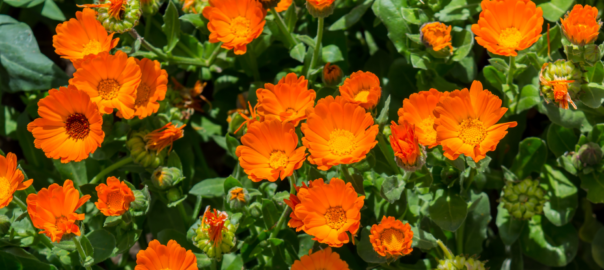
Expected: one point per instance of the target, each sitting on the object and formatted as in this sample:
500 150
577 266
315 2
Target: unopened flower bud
580 25
268 4
332 74
449 175
149 159
119 15
166 177
141 200
409 154
256 210
238 197
588 155
150 7
216 234
459 262
560 83
320 8
174 194
523 200
436 37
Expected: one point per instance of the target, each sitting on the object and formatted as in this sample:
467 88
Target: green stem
109 169
148 24
317 52
81 252
388 153
292 183
46 241
459 234
448 254
510 77
281 24
213 264
183 212
280 222
196 210
20 203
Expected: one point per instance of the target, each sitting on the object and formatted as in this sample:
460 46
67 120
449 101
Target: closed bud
166 177
436 37
255 210
150 7
560 83
320 8
215 235
149 159
332 74
448 175
141 200
268 4
524 199
174 194
589 154
408 153
459 262
238 198
119 15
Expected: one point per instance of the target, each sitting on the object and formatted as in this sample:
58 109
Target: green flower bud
256 210
149 159
448 175
141 200
166 177
319 11
150 7
589 154
120 18
451 262
238 198
524 199
560 82
194 6
216 235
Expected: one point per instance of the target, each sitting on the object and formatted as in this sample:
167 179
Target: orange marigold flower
215 220
508 26
418 110
330 211
110 81
293 201
362 88
320 8
171 256
436 36
288 100
237 193
580 25
321 260
153 87
270 151
407 151
235 23
70 126
114 197
82 36
283 5
466 122
11 179
391 238
52 210
332 74
160 138
338 132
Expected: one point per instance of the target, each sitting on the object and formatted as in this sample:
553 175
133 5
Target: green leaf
392 188
103 244
562 117
383 117
462 40
592 95
209 188
529 97
23 3
530 158
231 182
494 76
389 13
298 52
561 140
421 178
553 10
28 260
423 239
414 16
351 18
269 213
548 244
8 261
595 74
563 197
331 54
541 47
291 17
597 248
458 10
75 171
232 261
52 11
475 226
171 234
366 251
419 60
174 161
33 155
126 242
194 19
112 221
596 135
448 210
232 144
593 183
509 227
171 26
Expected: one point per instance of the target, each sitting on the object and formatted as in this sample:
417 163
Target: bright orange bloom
283 5
82 36
405 145
362 88
466 122
295 221
332 74
391 238
338 132
70 126
164 136
114 197
52 210
270 151
216 221
153 87
330 211
418 110
288 100
508 26
160 257
115 8
580 25
11 179
235 23
320 4
110 81
237 193
560 87
436 35
321 260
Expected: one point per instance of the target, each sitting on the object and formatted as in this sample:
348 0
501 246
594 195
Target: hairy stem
291 41
111 168
317 52
81 252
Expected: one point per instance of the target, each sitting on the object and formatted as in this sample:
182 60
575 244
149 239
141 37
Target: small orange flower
560 88
508 26
153 87
580 25
160 138
466 123
294 221
320 4
288 100
391 238
110 81
418 110
237 193
70 126
216 221
338 132
11 179
171 256
404 143
283 5
235 23
321 260
114 197
52 210
362 88
270 151
330 211
332 74
82 36
436 35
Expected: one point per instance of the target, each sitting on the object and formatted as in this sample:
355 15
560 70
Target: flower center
472 131
291 110
115 199
4 188
77 126
61 222
335 217
560 91
427 126
143 94
93 47
341 142
362 96
392 239
278 159
510 38
108 88
238 194
240 27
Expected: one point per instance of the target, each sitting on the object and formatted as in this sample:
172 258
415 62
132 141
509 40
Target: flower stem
288 35
20 203
292 182
282 219
510 77
459 234
148 23
317 52
183 213
448 254
81 252
44 239
109 169
388 153
196 210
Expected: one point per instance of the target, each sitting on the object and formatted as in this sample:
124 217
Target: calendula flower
321 260
288 100
70 126
11 179
160 138
171 256
332 74
296 222
436 36
418 110
238 198
362 88
110 81
235 23
118 15
52 210
466 122
82 36
330 211
338 132
237 193
283 5
153 87
581 25
270 151
508 26
407 152
560 82
114 197
320 8
216 234
391 238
